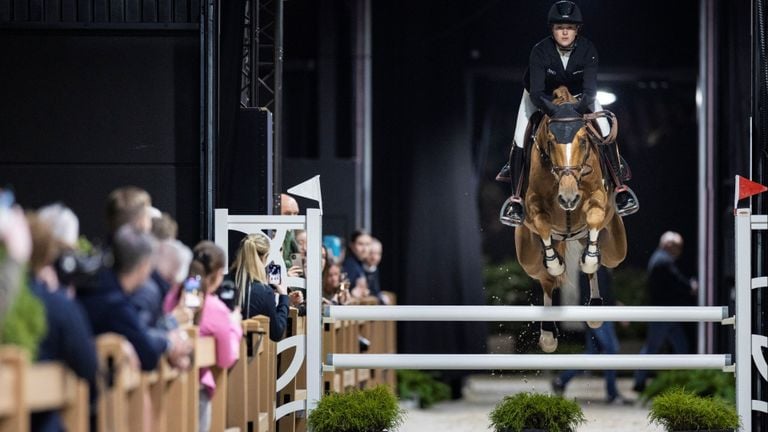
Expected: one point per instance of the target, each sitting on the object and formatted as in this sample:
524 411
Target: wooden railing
29 388
168 400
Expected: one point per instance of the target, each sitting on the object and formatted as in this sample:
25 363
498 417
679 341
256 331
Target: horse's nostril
577 198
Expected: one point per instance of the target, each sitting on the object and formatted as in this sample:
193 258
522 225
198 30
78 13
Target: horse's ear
550 106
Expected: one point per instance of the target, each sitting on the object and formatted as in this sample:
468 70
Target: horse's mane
562 95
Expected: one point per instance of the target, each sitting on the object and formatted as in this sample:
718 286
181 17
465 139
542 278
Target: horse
568 209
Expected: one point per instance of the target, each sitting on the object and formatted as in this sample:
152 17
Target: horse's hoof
595 301
547 341
595 324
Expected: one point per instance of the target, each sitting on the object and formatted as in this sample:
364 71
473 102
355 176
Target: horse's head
564 140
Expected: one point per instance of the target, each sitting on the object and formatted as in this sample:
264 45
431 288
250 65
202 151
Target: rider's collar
565 49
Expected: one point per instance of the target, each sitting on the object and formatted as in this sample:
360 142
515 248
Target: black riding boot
512 212
625 199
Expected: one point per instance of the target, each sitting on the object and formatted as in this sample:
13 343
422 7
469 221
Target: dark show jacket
546 73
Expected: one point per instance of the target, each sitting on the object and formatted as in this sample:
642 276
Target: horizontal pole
529 361
529 313
759 222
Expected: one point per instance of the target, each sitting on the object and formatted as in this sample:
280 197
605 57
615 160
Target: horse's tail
570 294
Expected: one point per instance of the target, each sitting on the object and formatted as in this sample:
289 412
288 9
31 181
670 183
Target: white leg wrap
591 257
553 262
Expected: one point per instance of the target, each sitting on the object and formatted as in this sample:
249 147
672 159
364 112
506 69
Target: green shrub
422 386
536 411
24 324
680 410
370 410
699 382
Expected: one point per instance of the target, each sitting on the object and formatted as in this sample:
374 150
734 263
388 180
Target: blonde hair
249 262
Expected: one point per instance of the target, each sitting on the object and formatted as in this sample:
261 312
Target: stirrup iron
505 216
631 209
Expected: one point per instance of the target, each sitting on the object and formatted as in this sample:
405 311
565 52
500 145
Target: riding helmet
564 12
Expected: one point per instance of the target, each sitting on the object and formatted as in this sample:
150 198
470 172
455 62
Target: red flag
746 188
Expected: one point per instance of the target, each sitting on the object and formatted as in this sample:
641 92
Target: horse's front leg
595 210
553 262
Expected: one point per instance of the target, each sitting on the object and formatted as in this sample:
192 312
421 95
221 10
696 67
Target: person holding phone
211 315
260 290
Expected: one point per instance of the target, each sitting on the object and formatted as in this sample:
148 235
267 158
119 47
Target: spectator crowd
58 291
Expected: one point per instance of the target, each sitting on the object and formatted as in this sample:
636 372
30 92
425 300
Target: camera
78 269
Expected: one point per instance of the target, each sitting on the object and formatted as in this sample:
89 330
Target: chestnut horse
568 211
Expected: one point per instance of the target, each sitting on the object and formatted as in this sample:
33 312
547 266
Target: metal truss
262 57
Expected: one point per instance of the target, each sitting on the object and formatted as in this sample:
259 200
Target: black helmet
564 12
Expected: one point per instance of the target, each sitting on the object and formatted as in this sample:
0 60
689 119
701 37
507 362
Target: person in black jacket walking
255 295
667 286
562 59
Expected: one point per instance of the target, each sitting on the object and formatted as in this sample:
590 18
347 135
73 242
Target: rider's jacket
546 73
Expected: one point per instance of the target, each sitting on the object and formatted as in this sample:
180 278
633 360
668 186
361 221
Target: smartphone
192 292
273 274
297 260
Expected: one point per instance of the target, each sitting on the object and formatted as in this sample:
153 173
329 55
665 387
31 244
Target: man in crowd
667 286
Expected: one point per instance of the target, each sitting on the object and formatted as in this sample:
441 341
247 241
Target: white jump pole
529 313
528 361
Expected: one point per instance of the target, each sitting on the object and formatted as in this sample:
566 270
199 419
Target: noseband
579 171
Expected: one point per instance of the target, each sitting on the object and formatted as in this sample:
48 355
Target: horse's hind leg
594 298
548 332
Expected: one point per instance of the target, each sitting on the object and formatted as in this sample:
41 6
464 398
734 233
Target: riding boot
512 212
505 173
626 202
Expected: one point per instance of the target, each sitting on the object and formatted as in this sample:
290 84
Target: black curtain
425 188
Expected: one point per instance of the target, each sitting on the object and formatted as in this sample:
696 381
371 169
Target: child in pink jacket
211 315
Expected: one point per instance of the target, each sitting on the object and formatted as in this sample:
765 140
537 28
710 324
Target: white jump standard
747 350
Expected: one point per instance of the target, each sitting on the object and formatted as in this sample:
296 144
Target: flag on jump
309 189
745 188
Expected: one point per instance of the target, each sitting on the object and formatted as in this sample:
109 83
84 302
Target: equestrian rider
562 59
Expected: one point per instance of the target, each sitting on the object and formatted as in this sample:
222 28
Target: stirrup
633 204
507 217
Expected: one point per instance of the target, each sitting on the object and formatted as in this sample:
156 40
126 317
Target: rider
564 58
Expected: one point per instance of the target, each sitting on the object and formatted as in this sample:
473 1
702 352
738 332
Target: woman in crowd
212 317
256 295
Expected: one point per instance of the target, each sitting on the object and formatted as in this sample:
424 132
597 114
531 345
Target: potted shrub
679 410
370 410
526 412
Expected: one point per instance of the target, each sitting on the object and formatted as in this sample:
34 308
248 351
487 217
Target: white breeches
527 108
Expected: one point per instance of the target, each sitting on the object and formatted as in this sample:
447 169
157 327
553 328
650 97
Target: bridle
595 138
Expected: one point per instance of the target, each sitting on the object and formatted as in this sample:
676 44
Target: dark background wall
83 112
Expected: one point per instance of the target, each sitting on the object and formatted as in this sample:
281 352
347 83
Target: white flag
309 189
